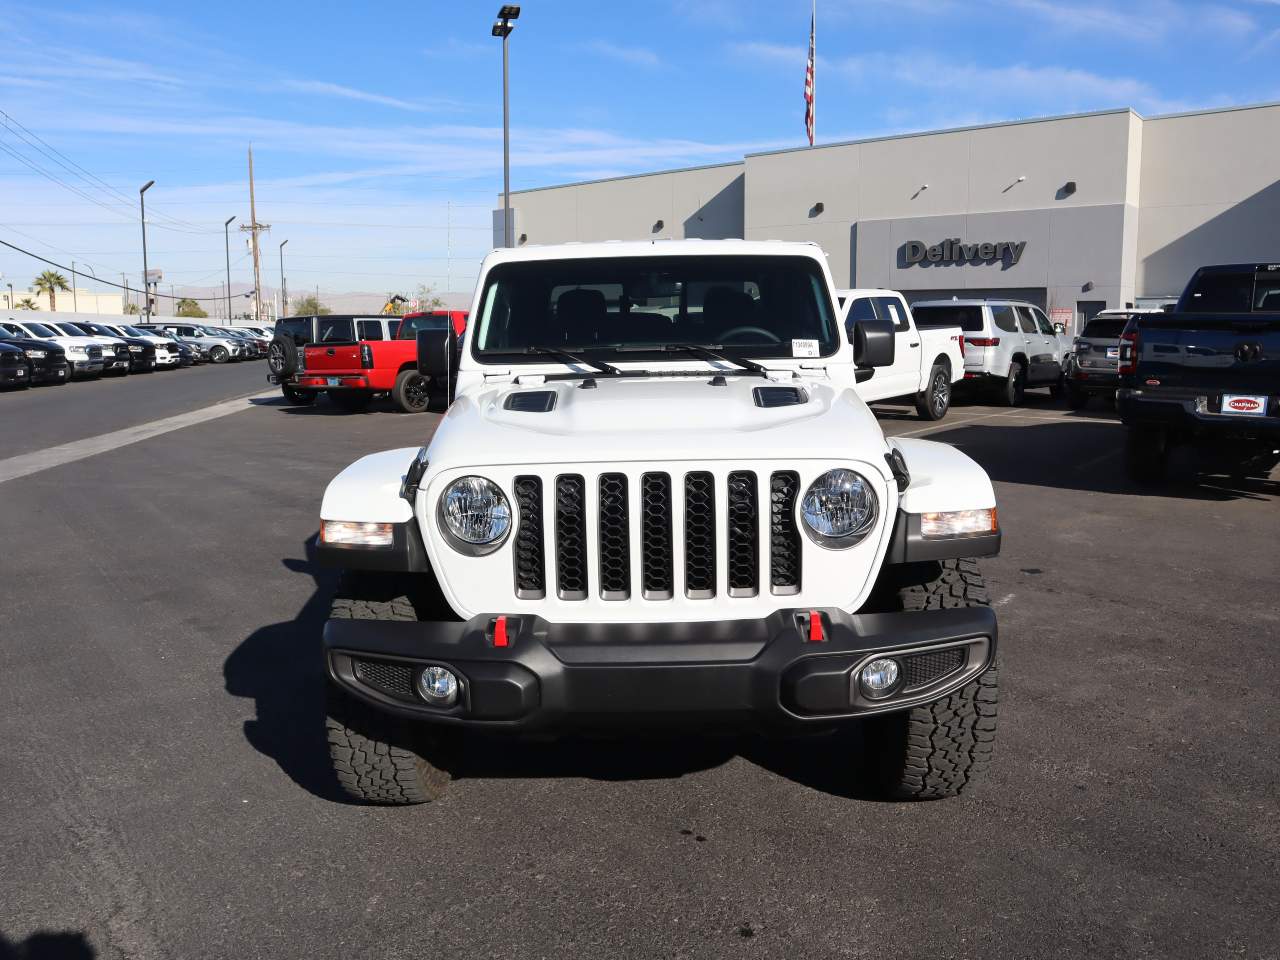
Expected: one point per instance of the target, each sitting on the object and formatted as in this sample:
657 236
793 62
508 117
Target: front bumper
1187 413
740 674
86 368
15 375
48 371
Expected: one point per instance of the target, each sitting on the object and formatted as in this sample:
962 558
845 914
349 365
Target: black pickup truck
1207 374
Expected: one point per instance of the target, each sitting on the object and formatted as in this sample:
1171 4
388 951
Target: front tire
219 355
934 401
412 391
938 749
377 757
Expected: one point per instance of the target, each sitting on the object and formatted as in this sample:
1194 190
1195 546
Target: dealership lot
167 791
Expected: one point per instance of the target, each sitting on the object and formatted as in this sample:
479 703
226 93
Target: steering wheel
728 335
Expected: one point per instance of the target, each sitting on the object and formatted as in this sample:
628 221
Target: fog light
878 678
438 687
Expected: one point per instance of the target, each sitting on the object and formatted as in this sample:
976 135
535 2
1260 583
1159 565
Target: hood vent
779 396
531 401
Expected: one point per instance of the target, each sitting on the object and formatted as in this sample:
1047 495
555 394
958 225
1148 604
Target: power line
109 283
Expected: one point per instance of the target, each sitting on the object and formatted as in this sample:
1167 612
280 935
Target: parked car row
52 350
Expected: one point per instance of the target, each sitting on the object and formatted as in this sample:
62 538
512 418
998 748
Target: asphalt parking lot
165 791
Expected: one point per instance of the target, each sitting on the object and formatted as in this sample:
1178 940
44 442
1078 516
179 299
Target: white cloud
635 56
326 89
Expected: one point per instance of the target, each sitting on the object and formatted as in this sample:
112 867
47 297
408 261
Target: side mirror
1060 328
873 342
436 358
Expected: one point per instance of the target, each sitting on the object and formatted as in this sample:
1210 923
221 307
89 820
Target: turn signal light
958 523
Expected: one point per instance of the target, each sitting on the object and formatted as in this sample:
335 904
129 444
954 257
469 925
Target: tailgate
338 358
1210 353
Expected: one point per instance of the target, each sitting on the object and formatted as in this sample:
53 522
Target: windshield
71 330
1104 328
135 332
40 330
773 306
967 318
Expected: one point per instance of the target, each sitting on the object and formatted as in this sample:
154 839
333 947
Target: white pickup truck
926 362
656 501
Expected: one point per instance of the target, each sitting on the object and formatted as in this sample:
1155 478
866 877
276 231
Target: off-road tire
412 391
933 402
282 356
298 398
351 401
1146 454
219 354
1014 388
1077 399
938 749
377 757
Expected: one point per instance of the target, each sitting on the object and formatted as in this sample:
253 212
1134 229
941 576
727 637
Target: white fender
369 490
942 478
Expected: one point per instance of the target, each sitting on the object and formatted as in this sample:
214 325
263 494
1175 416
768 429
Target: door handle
913 345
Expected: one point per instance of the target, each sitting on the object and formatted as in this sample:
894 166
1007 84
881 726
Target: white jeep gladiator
656 500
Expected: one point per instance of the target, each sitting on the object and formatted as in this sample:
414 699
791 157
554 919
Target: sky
377 132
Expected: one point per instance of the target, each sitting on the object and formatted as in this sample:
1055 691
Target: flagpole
815 71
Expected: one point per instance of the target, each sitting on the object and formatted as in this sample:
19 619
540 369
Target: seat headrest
581 313
725 307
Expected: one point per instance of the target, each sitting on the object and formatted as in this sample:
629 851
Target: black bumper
741 674
16 375
1088 380
1177 413
48 371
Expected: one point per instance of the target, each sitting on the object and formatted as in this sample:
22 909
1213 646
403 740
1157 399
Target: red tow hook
815 627
500 632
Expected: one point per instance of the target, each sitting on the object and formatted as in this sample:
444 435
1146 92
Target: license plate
1244 405
1113 353
333 381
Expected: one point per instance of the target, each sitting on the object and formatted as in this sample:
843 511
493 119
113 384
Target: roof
972 302
655 248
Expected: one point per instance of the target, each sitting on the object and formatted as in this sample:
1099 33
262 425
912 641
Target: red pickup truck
352 374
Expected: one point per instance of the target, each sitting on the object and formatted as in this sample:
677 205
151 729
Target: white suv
1008 343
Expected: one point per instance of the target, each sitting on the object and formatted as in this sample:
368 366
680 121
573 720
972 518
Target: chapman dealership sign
954 251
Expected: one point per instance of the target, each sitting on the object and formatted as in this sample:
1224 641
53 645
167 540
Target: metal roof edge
630 176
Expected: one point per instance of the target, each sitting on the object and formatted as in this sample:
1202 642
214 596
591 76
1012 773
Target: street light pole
284 288
226 239
146 287
503 29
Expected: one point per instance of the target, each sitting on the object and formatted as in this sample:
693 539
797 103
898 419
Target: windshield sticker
804 348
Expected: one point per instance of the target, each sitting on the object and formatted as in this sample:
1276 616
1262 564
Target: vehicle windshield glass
1104 328
410 326
40 330
135 332
71 330
968 318
751 306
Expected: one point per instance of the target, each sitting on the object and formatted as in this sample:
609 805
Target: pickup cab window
862 309
891 309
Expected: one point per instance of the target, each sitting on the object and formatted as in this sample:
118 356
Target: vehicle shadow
48 945
281 669
1085 451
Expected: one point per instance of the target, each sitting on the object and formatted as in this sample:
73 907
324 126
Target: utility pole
284 287
253 229
146 286
226 241
124 281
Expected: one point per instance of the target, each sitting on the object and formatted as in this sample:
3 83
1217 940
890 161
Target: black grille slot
571 538
699 535
784 537
744 535
655 536
531 401
615 538
531 579
779 396
925 668
395 679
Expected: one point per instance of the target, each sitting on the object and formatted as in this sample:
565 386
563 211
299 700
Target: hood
656 418
24 343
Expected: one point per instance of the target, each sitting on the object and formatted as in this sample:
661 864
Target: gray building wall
1153 199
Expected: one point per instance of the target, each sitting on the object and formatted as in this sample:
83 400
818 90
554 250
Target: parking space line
50 457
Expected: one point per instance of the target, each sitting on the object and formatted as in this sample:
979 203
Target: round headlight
839 508
475 514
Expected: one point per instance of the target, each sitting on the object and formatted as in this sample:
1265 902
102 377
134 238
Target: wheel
352 401
933 402
282 356
298 398
1146 454
411 392
943 748
1077 399
377 757
219 354
1015 386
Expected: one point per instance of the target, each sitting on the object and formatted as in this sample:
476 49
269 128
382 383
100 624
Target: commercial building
1074 213
66 301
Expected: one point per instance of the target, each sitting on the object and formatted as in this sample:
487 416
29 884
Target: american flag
808 82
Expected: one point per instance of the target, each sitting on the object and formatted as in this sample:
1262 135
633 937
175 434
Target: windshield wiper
708 352
565 355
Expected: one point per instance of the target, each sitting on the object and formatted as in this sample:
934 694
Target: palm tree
26 303
51 282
